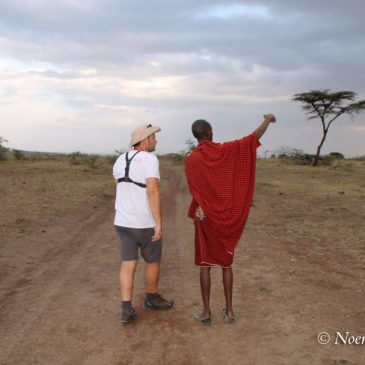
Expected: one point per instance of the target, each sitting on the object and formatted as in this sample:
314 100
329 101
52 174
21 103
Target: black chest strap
126 177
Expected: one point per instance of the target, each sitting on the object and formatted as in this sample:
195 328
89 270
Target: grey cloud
303 45
118 33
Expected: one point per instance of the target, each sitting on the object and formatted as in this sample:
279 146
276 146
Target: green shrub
75 158
19 155
3 149
111 159
337 155
3 153
91 160
298 157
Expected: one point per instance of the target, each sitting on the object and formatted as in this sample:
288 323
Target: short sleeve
117 169
153 168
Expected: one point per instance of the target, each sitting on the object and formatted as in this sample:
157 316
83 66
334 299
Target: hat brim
146 133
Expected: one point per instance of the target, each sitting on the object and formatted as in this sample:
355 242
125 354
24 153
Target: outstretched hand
270 118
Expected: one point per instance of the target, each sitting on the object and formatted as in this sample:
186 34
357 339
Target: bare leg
205 289
228 284
151 276
126 279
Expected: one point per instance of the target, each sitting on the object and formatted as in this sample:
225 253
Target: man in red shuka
221 179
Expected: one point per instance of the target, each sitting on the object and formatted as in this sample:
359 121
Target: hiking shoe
158 302
128 317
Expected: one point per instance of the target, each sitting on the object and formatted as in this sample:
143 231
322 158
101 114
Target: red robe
221 179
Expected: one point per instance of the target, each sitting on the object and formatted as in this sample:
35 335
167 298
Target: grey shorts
133 239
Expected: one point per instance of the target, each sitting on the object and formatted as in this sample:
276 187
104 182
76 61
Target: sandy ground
59 294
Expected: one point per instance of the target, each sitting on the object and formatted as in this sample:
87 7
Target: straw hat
142 132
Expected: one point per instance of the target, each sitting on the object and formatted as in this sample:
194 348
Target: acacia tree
328 106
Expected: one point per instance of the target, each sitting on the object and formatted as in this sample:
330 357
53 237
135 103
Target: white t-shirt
131 204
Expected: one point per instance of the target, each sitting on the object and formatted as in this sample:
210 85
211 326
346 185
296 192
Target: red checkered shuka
221 179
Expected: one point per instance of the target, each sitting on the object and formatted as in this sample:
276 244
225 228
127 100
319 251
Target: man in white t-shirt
138 219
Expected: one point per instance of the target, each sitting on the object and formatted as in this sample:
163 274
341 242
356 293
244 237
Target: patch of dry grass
35 190
321 206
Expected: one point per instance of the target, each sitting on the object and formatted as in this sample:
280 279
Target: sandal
226 318
203 320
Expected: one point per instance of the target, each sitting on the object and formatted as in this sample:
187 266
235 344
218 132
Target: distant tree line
3 149
297 156
319 104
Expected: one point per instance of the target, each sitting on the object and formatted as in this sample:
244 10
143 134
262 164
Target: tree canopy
328 106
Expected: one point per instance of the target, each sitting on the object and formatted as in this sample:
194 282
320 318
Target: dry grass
321 206
37 190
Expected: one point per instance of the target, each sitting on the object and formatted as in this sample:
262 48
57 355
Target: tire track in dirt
40 318
54 258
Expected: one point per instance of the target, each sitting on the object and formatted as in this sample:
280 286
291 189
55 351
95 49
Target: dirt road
60 297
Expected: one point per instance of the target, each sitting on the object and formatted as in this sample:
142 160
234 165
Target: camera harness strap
126 178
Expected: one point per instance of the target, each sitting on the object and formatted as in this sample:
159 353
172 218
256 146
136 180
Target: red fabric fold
221 179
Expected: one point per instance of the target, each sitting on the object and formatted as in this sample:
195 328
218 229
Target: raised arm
268 118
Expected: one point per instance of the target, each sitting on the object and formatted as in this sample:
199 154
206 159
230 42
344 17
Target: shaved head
202 130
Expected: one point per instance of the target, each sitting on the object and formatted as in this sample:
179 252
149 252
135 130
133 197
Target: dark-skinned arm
268 118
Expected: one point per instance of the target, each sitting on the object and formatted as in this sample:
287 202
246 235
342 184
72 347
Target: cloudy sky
80 75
